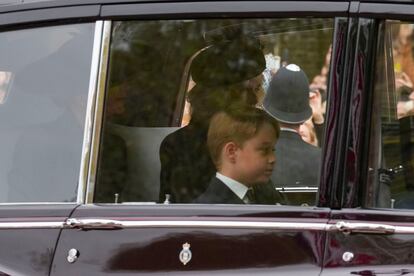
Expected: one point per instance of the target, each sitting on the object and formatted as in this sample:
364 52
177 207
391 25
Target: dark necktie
251 196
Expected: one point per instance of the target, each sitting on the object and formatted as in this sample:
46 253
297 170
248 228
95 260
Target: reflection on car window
5 80
44 82
391 175
169 80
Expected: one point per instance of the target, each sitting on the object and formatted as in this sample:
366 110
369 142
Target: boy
241 143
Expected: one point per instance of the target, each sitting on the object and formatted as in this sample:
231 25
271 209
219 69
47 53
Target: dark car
98 171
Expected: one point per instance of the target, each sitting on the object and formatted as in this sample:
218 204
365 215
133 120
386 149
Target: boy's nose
272 158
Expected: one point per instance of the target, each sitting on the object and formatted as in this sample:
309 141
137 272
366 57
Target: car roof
77 2
28 4
19 5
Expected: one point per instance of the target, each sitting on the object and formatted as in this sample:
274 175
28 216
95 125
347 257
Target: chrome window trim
98 111
404 230
226 224
304 189
68 224
36 203
32 225
103 223
89 119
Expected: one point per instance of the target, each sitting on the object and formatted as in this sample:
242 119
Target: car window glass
169 80
391 170
44 79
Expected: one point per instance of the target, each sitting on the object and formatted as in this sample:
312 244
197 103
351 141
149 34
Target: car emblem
185 254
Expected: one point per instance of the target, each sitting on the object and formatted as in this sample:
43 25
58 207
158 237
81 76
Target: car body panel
374 253
382 243
28 236
229 240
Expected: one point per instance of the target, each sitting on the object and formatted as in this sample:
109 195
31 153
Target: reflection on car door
226 240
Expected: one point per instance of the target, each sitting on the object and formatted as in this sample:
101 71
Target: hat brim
227 63
288 117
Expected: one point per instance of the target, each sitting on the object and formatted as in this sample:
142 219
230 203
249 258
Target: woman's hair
206 101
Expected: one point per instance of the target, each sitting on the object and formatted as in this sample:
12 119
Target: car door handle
366 228
92 224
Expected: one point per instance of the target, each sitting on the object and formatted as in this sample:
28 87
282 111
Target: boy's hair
236 124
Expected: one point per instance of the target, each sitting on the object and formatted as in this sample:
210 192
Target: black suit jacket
297 162
218 193
186 166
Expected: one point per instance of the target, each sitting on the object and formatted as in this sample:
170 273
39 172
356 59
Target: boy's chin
261 182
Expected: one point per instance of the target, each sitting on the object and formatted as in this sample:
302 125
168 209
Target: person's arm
165 174
319 129
318 118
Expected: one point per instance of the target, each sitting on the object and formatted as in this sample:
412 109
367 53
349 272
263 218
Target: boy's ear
230 150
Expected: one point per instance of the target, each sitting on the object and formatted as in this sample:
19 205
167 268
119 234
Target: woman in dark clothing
186 166
224 74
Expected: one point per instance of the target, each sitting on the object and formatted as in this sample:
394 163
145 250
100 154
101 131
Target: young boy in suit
241 143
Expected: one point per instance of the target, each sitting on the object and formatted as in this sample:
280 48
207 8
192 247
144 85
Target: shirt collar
236 187
288 129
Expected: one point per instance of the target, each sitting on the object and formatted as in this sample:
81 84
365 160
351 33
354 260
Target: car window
391 171
180 100
44 79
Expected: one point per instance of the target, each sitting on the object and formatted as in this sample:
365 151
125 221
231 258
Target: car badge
185 254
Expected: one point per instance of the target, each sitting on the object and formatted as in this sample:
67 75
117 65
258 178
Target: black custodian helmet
287 98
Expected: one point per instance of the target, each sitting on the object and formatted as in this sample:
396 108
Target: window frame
370 195
62 16
355 194
200 10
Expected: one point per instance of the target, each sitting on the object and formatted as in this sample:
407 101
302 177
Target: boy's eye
267 150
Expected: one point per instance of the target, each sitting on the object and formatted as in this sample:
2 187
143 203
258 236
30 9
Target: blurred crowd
402 40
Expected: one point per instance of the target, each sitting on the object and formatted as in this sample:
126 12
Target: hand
315 102
405 108
403 80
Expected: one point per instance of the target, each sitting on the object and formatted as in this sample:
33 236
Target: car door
126 225
375 220
45 72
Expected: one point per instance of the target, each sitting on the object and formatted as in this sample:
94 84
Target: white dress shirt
289 129
236 187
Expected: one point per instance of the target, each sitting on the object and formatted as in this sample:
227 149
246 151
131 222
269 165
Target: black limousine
110 135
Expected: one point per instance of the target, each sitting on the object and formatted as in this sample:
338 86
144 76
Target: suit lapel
223 193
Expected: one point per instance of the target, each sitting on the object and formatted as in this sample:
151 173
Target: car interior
133 119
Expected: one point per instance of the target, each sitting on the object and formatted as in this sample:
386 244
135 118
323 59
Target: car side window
391 168
44 80
176 90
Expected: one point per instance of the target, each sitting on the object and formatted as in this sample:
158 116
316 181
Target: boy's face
255 159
